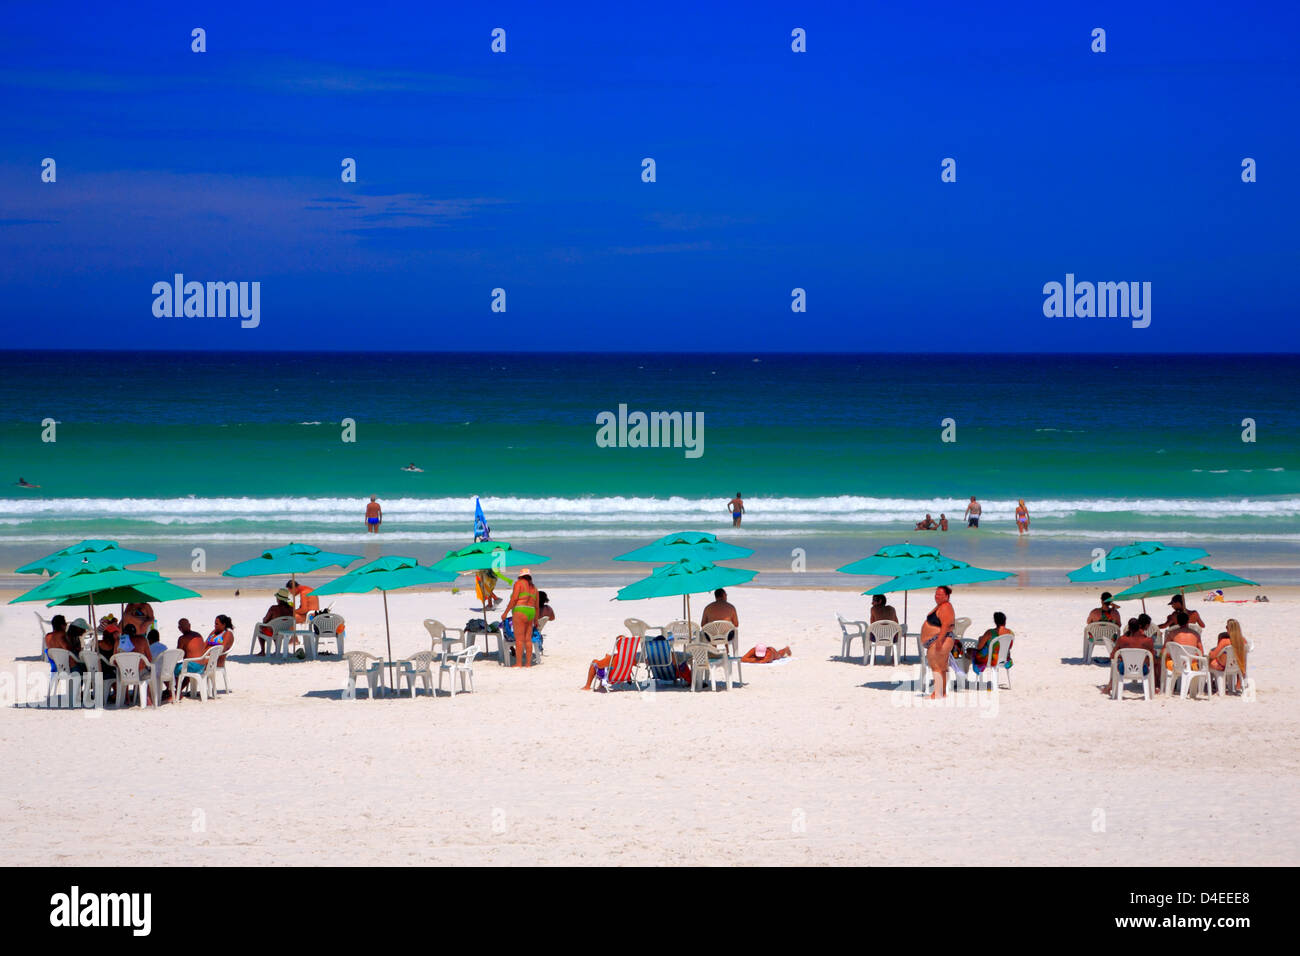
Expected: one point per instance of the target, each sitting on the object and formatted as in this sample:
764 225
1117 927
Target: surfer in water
411 467
24 483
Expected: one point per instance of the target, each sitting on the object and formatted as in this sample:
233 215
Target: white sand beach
812 761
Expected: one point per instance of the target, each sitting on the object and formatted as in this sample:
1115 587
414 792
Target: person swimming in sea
412 467
24 483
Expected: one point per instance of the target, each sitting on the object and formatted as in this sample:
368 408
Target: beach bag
508 629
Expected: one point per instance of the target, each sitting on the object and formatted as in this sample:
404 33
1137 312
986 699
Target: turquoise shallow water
235 450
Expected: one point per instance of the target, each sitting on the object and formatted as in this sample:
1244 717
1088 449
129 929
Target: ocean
835 454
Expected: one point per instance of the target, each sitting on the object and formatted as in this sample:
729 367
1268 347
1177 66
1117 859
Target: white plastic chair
636 627
997 651
682 632
326 626
131 672
421 668
884 636
704 659
282 634
205 681
363 664
1099 632
460 666
46 625
716 632
220 671
438 631
62 674
849 632
93 663
959 627
163 673
1189 668
1226 679
1132 664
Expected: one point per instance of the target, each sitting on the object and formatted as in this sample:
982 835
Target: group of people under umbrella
1167 570
97 572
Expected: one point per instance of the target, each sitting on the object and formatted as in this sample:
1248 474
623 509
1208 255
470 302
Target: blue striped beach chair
659 658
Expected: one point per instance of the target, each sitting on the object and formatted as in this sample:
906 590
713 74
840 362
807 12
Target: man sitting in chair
1107 613
719 610
283 607
1193 617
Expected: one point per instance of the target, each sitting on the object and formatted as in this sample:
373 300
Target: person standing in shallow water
374 515
737 508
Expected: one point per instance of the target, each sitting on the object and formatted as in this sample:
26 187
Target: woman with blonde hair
1233 639
1022 517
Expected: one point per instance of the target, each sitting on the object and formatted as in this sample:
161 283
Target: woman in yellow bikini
523 605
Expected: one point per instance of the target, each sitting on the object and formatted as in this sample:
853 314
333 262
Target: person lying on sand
762 654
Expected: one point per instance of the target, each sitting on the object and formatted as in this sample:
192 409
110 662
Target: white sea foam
846 509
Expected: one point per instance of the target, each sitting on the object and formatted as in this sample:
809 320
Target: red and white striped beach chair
622 668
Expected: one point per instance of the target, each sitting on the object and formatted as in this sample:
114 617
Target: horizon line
821 353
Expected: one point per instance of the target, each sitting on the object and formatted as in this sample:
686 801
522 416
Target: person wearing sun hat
523 607
1108 612
283 607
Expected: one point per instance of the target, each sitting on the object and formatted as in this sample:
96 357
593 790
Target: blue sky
775 170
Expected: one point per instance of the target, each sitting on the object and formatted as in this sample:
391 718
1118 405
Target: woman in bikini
1022 517
1230 641
937 639
223 633
523 605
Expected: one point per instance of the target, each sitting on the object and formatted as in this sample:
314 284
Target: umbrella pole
388 635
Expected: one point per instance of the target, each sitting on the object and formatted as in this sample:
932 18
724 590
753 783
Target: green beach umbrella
693 545
684 577
494 556
487 556
99 581
896 560
158 589
292 559
384 575
950 573
958 573
1184 577
70 556
1135 560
